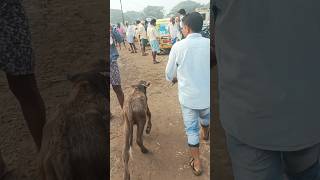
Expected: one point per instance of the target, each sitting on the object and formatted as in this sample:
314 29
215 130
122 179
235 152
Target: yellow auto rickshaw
162 26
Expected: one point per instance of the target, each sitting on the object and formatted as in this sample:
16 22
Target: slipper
195 171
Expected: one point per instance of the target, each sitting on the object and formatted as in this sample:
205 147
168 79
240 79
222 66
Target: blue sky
138 5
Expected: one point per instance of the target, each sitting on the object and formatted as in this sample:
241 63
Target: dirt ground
68 37
167 142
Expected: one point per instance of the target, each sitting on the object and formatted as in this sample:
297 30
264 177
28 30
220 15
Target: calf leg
149 125
125 153
140 128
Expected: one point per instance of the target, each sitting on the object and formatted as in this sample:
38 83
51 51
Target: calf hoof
144 150
148 130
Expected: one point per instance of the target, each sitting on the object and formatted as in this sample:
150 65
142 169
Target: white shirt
181 22
152 33
189 61
142 32
131 31
173 29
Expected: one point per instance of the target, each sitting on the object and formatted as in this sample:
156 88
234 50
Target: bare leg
134 47
118 90
140 128
26 91
149 125
195 153
154 55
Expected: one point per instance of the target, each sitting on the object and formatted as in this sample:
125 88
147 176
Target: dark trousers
250 163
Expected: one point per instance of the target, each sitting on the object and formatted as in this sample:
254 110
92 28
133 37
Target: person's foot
196 166
205 132
145 54
156 62
195 161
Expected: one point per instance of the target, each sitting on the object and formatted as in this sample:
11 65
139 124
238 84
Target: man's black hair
153 21
138 22
194 21
182 11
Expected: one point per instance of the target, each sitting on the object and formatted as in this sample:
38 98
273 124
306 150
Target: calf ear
148 84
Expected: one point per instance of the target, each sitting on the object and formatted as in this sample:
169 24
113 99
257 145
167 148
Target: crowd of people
146 32
188 65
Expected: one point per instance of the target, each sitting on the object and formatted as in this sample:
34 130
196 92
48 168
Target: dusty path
167 142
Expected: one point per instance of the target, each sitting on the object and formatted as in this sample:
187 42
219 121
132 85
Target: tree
153 11
132 16
115 16
188 5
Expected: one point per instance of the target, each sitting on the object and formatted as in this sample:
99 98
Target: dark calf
74 145
135 111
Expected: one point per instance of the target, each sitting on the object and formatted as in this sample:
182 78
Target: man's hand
174 81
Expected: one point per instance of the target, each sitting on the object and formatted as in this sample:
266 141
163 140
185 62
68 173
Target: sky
138 5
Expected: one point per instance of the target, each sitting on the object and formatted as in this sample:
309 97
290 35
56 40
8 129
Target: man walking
189 65
152 34
115 79
142 36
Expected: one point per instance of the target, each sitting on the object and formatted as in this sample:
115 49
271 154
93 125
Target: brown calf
135 111
74 145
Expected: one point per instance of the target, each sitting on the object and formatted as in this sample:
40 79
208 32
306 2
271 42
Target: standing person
142 36
17 61
269 87
122 33
130 38
189 65
117 37
177 23
115 79
173 30
182 14
152 34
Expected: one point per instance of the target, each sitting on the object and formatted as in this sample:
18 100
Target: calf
135 111
74 145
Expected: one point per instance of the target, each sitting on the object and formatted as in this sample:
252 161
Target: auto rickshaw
164 35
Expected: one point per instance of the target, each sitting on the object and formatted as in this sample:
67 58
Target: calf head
142 86
97 81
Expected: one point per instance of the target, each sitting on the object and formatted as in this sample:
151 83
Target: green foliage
153 11
188 5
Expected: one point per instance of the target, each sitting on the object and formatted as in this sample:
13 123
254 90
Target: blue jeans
192 118
250 163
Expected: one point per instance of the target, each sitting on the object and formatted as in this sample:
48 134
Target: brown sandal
195 171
